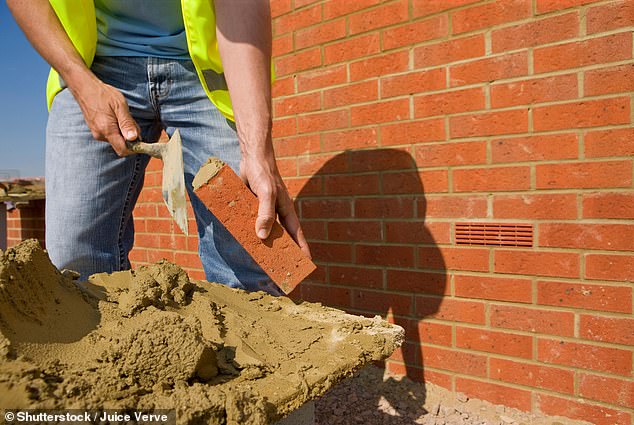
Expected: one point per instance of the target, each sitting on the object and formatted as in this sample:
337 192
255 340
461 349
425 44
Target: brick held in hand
229 199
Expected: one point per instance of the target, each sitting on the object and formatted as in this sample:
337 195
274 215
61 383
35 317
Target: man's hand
262 176
107 115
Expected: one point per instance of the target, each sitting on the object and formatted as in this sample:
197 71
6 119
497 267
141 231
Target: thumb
127 125
266 215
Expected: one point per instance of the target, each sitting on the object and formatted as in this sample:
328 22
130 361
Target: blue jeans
91 192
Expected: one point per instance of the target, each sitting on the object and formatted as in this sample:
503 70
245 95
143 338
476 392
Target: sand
152 339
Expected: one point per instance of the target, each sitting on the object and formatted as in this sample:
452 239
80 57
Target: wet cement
152 339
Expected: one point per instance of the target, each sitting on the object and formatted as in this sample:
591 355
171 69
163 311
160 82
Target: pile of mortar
152 339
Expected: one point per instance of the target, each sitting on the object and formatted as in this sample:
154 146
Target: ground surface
370 398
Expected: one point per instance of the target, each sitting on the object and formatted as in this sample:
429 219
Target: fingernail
130 135
262 234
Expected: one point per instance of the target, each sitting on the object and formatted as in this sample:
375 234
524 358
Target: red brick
418 282
428 7
581 410
611 48
279 256
188 259
608 390
560 206
331 252
585 356
287 167
173 242
303 186
489 123
363 184
535 33
350 94
516 261
320 34
354 231
416 32
535 148
453 206
532 375
385 255
299 61
591 113
430 333
283 87
138 256
325 208
449 102
349 139
374 160
544 6
322 77
610 267
449 51
280 7
155 255
412 132
336 8
160 225
294 105
455 361
328 295
489 14
618 237
618 79
494 342
536 90
617 14
417 232
356 276
298 145
616 142
315 230
533 320
608 205
322 164
491 179
297 19
587 296
328 120
302 3
382 302
391 110
617 330
408 182
351 48
493 288
494 393
378 17
489 70
584 175
413 82
282 45
453 258
448 154
450 309
384 207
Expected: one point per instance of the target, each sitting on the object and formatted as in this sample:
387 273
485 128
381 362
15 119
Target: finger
118 144
266 213
128 127
289 219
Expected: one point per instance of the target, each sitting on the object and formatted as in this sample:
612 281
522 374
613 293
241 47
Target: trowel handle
153 149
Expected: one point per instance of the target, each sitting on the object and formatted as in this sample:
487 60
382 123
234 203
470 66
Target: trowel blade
174 181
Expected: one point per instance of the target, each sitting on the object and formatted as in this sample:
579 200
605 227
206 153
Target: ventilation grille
494 234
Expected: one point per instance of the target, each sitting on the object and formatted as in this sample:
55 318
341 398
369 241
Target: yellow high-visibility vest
80 23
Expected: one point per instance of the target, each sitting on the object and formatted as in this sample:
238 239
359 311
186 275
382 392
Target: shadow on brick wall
363 213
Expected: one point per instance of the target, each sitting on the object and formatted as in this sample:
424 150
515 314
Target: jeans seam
125 209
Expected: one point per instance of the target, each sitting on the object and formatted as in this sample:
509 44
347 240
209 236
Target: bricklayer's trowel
171 153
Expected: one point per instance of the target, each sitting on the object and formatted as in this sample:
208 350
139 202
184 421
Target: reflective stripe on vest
80 23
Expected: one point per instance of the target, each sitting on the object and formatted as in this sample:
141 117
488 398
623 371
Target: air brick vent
494 234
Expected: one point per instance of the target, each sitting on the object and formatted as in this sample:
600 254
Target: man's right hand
107 115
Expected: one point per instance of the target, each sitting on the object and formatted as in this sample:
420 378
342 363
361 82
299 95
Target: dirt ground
374 398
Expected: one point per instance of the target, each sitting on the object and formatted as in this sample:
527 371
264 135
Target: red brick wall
25 222
395 120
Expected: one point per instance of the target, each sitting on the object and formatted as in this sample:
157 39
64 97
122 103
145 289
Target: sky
23 112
